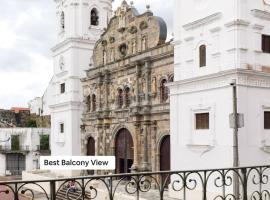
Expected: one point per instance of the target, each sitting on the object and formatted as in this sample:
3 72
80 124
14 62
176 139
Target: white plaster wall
202 147
28 137
2 164
233 38
75 46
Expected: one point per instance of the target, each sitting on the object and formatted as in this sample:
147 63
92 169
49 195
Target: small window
62 21
62 88
94 102
62 128
94 17
127 96
267 120
88 103
266 43
44 142
120 98
202 55
202 121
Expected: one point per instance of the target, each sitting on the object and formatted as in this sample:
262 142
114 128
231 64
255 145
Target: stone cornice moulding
73 41
244 78
176 42
237 22
258 27
261 14
202 21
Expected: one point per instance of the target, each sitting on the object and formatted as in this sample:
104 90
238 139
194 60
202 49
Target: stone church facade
126 104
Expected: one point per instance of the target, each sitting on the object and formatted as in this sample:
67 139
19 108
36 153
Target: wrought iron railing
21 148
247 183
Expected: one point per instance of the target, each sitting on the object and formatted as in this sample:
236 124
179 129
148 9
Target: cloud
26 36
27 33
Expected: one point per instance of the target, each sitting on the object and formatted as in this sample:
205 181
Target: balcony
42 150
246 183
16 149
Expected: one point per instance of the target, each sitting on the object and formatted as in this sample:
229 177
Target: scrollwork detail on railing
22 189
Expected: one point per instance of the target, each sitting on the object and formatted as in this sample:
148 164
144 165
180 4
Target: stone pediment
129 33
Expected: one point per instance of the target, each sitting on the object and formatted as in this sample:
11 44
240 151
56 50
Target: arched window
94 17
202 55
127 96
88 103
94 102
62 20
163 91
120 98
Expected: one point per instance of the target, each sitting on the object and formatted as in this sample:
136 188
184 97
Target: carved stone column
137 92
99 92
146 132
147 77
107 82
136 145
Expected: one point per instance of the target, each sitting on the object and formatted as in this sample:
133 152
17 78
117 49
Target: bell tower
79 25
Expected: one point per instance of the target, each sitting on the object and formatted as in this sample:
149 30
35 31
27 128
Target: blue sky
27 33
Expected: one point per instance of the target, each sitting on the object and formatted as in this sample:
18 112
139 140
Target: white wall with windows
29 146
80 24
219 42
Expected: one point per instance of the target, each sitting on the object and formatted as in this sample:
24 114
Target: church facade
126 104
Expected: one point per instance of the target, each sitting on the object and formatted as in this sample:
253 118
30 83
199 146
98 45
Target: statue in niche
121 12
112 55
143 86
143 43
134 45
154 85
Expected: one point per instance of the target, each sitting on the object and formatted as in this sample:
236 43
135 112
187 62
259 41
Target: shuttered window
266 43
267 120
202 121
202 55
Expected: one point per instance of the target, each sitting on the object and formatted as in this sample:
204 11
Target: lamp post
235 126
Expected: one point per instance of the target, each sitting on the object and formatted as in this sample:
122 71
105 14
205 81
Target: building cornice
202 21
261 14
73 40
247 78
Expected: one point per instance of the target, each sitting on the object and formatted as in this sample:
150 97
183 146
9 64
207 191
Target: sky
27 33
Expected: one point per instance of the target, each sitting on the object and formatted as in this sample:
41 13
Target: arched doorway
123 151
165 156
91 151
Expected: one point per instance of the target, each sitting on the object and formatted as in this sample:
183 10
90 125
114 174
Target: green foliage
15 142
31 123
44 142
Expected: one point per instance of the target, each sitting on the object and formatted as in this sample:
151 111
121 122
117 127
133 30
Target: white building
40 105
219 42
20 149
80 24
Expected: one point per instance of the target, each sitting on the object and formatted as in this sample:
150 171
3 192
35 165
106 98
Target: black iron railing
252 183
8 149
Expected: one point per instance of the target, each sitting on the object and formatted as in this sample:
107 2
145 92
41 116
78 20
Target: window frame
266 126
201 127
202 55
62 88
94 10
264 41
62 128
